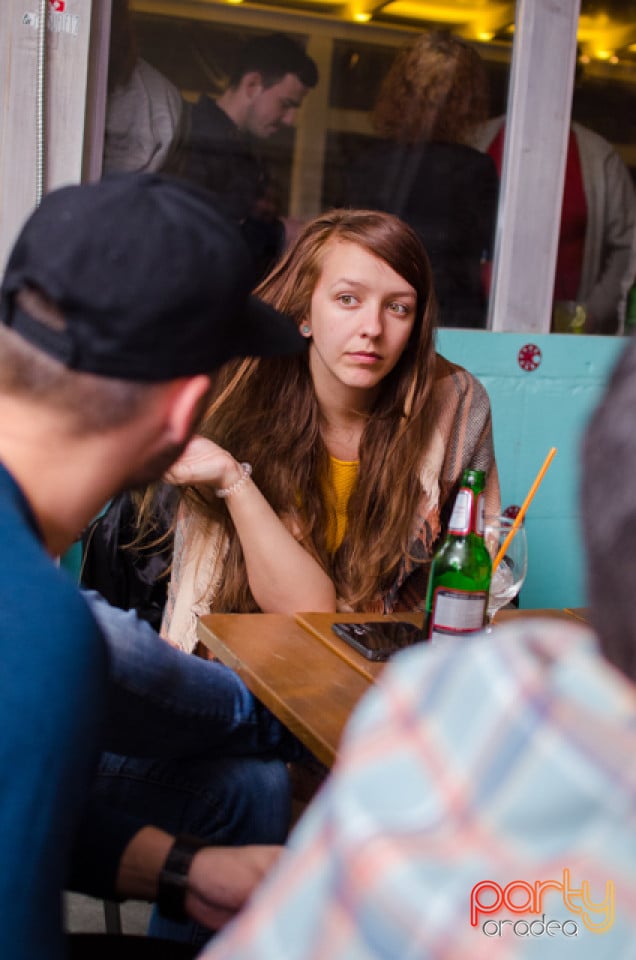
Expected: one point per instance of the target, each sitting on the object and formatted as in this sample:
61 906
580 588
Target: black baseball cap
153 283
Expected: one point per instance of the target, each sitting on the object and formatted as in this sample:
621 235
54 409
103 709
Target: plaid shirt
507 759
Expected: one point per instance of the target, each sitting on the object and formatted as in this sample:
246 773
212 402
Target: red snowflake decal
529 357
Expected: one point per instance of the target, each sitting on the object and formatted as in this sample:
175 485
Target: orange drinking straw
524 506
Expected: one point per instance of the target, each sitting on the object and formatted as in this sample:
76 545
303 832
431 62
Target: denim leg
166 703
211 744
227 801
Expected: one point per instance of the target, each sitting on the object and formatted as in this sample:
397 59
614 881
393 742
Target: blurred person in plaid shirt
484 800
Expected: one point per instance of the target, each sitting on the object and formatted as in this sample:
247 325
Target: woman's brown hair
435 89
266 413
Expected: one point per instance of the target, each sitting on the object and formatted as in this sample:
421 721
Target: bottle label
456 613
461 521
460 517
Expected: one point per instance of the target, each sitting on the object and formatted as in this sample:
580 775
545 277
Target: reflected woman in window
423 169
355 449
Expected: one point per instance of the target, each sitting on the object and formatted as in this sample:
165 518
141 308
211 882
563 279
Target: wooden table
307 676
302 681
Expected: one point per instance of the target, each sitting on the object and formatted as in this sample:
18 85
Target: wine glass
510 573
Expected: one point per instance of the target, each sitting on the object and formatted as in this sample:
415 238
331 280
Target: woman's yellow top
342 477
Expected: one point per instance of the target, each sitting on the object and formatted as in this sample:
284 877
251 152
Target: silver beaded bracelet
246 472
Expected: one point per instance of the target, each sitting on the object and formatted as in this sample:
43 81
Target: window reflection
424 170
595 255
604 106
144 111
195 49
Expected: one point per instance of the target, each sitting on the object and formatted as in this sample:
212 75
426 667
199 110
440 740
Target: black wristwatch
173 879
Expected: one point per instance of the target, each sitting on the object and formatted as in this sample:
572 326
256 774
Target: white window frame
537 130
71 112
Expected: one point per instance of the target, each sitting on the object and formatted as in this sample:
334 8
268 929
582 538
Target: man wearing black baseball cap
118 300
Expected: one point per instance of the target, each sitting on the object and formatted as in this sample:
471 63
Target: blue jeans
191 750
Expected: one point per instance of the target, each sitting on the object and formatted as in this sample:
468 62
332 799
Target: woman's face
360 320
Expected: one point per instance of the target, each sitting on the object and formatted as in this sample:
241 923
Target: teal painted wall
533 411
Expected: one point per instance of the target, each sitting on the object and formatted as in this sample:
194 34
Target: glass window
595 250
321 155
604 125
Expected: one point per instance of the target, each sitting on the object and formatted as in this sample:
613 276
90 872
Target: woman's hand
204 462
282 575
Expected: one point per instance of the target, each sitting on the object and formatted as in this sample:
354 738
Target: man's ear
252 84
185 405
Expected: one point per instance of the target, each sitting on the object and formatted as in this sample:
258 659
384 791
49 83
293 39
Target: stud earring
305 329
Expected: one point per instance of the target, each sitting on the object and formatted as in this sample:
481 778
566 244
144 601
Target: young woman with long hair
325 481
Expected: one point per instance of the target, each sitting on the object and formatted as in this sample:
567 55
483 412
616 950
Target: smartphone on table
379 639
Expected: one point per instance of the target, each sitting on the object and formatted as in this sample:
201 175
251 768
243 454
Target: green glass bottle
459 580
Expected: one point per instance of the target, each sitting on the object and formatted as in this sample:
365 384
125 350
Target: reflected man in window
267 84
